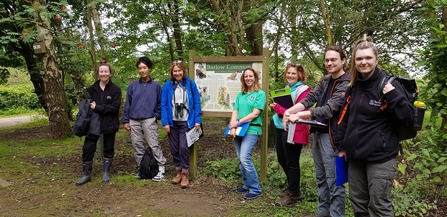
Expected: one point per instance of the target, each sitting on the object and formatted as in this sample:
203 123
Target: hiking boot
178 176
159 177
251 196
288 200
185 180
283 193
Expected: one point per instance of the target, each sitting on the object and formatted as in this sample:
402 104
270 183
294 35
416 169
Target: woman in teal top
250 103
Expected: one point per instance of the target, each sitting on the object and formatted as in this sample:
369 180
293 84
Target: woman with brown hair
250 103
180 111
288 152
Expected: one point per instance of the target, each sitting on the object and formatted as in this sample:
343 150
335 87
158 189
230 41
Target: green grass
20 112
35 163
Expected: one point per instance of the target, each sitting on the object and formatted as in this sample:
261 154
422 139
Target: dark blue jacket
142 100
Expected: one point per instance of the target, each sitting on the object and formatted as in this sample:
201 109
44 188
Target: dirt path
7 122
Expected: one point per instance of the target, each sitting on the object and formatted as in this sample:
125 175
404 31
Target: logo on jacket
252 97
375 103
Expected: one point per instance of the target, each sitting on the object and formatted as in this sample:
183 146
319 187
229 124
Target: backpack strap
345 108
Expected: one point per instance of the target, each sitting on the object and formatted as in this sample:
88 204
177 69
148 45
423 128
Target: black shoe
241 190
251 196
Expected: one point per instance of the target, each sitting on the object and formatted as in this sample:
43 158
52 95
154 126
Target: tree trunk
98 28
27 52
54 90
254 32
230 27
92 41
177 30
327 21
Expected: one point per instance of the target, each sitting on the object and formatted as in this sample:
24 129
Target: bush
18 97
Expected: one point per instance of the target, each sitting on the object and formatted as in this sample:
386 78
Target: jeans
149 128
370 186
244 148
332 198
289 159
179 145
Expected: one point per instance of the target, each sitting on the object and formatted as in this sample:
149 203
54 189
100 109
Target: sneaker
159 177
251 196
138 176
241 190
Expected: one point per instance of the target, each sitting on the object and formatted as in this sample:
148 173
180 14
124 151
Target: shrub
18 97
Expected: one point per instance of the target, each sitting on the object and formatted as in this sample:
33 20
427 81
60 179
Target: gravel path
6 122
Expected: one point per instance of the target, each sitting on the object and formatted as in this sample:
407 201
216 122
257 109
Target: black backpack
148 166
81 126
408 130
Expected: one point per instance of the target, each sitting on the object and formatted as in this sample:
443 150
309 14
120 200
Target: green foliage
227 169
4 74
421 172
407 201
18 97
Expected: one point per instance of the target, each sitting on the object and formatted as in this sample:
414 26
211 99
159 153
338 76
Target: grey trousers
331 198
149 128
370 186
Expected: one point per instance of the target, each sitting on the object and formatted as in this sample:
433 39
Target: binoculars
179 109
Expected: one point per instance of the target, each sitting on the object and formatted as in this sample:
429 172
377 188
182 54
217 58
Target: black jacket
330 109
368 129
108 104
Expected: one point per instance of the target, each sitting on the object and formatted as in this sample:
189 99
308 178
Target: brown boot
283 193
185 180
288 200
178 176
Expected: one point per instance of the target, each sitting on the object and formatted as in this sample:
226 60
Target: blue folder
341 171
240 130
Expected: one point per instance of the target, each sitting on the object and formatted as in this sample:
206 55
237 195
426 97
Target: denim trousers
370 185
331 198
289 158
149 128
244 148
179 145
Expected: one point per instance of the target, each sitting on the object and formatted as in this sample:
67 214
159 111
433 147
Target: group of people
360 126
177 105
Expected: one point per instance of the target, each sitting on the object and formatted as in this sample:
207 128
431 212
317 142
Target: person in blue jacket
180 111
105 101
141 112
